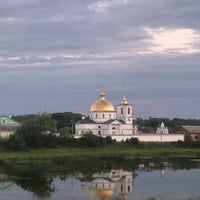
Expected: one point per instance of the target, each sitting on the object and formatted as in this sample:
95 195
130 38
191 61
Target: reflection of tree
37 183
31 177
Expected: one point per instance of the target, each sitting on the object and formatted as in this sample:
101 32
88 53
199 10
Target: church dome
102 105
102 194
124 101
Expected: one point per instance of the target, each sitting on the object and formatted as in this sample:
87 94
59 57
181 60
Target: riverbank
146 150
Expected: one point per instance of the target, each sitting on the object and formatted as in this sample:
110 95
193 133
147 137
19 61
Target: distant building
192 131
162 129
7 126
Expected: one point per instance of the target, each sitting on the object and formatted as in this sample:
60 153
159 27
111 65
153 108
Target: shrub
16 142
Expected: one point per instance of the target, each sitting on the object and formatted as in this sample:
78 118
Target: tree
39 131
16 142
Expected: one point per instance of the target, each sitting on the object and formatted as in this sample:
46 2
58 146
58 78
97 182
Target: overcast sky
57 56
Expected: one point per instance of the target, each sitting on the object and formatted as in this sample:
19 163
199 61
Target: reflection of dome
102 105
102 194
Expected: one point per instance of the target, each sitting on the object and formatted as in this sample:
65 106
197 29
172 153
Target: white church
106 120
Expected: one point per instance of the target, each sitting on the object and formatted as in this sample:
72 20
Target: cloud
103 5
171 40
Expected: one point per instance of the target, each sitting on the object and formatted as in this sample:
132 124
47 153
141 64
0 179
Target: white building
162 129
106 120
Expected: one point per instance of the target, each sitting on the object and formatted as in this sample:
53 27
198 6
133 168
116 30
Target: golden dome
102 105
124 101
102 194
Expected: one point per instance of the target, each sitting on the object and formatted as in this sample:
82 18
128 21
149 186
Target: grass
144 150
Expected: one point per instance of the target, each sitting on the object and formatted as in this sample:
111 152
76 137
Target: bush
132 141
16 142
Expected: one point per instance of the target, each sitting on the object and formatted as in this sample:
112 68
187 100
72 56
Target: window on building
122 111
128 188
122 188
129 111
99 127
103 115
99 132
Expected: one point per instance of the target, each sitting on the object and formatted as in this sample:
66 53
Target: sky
56 56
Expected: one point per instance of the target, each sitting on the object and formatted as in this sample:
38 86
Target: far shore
149 151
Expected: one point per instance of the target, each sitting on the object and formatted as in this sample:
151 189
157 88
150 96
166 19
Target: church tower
125 111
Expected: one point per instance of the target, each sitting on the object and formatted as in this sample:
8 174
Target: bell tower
125 111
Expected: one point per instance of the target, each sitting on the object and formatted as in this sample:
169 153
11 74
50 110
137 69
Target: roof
147 129
112 120
8 121
192 129
86 121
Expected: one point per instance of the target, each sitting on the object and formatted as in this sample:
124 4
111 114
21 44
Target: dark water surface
101 179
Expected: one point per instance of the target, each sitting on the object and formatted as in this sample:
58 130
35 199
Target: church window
103 115
109 115
121 188
99 127
129 111
99 132
128 188
121 111
96 116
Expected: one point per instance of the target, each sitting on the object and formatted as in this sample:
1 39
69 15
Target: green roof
7 121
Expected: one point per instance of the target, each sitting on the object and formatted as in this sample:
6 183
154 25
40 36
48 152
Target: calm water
101 179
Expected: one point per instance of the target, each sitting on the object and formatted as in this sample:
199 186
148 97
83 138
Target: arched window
122 111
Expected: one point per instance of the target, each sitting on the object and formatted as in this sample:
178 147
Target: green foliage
132 141
174 124
37 132
16 142
66 119
3 143
90 140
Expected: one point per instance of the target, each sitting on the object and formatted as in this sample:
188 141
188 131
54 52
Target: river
101 179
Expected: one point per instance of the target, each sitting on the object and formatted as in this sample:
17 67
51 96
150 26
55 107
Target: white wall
152 137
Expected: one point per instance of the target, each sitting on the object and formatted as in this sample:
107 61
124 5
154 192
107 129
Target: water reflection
116 184
104 179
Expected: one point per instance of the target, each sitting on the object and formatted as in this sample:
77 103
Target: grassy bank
145 150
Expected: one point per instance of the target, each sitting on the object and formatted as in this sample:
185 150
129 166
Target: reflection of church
106 120
114 185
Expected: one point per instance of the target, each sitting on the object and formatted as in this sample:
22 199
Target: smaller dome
124 101
102 105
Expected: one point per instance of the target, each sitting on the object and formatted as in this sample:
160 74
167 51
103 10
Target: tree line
52 130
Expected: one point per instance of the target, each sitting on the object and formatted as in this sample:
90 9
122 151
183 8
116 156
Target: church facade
106 120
